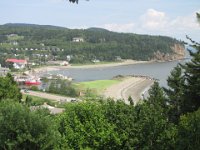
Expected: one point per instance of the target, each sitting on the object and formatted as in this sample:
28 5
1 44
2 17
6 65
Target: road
53 97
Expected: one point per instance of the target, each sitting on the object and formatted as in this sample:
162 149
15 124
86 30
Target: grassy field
15 38
98 85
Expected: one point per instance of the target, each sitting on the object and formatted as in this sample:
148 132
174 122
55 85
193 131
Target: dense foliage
9 89
43 43
22 129
62 87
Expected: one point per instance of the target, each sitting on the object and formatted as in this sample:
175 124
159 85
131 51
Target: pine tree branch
198 17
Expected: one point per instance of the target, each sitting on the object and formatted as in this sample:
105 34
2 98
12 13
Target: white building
78 39
64 63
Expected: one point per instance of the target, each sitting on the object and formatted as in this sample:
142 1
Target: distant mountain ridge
93 43
31 25
97 29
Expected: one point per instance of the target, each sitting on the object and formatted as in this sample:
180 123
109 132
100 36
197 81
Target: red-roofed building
17 63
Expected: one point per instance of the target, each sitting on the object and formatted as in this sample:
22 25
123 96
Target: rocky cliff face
178 52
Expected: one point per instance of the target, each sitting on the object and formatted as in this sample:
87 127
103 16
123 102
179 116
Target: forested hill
85 45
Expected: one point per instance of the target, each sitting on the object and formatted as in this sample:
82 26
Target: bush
34 88
21 128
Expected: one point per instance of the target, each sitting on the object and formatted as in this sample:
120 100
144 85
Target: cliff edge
178 52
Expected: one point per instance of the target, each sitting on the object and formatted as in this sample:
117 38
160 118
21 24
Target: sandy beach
125 62
54 68
131 86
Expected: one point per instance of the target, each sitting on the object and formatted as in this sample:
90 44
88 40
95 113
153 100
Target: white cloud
127 27
79 27
185 23
159 21
156 22
154 19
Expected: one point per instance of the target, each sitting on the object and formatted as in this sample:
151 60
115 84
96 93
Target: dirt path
49 96
132 86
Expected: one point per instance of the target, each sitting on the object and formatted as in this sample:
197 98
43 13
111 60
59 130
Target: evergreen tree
156 96
198 17
189 131
175 93
73 1
192 77
131 100
185 90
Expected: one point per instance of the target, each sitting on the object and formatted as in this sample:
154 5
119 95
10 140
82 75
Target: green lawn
98 85
15 38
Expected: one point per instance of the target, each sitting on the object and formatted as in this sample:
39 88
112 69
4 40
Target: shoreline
144 94
123 63
55 68
130 86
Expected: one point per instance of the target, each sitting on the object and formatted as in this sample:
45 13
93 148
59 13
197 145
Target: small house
95 61
78 39
17 63
118 58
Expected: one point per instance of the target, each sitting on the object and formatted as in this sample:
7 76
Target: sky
175 18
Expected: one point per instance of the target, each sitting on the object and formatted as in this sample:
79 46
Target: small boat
33 81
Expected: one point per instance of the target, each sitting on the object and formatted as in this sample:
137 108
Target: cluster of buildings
22 63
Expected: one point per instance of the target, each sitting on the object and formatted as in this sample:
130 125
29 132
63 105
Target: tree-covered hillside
26 40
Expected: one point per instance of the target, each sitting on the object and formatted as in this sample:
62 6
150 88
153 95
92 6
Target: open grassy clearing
15 38
98 85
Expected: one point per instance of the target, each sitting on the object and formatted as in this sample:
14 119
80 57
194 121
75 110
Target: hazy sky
174 18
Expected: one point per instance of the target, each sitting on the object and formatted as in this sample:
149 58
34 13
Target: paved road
53 97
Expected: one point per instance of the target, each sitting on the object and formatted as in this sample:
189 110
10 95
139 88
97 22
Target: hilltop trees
57 43
9 89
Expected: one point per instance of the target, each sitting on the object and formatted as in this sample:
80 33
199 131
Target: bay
157 70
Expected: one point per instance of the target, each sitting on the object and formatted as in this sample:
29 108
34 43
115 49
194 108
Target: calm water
159 71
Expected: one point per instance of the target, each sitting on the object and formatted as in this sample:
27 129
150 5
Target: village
25 73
